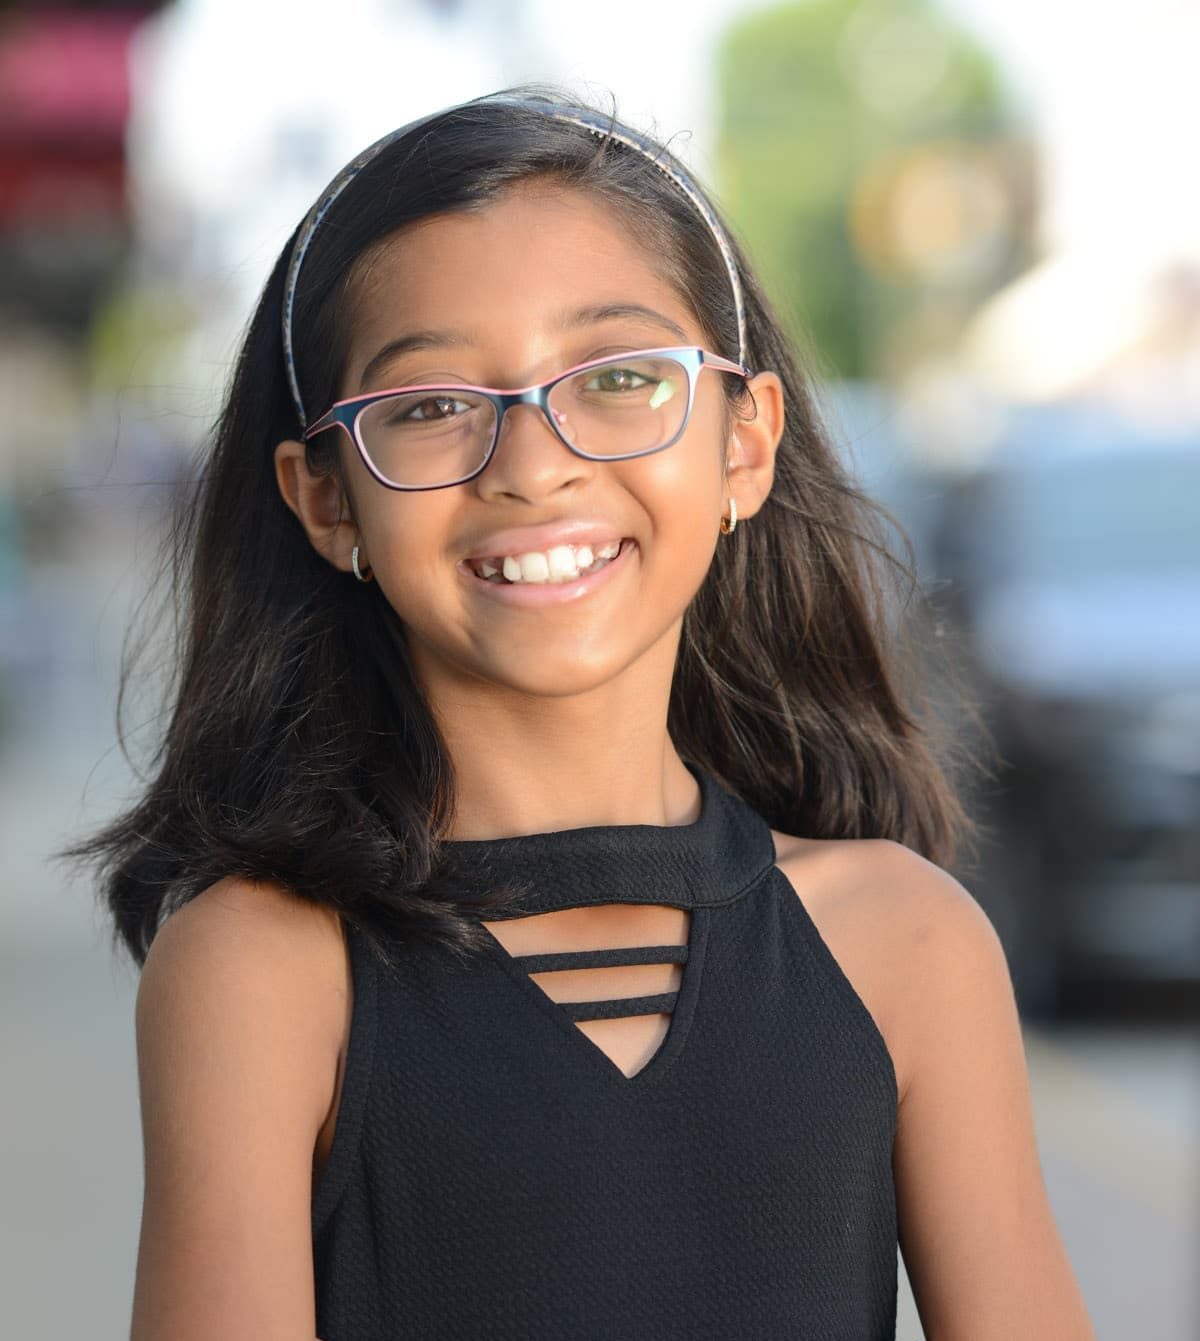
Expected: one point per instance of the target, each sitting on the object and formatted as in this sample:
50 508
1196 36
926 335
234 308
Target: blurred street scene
995 261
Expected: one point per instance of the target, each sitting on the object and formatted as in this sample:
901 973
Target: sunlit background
983 219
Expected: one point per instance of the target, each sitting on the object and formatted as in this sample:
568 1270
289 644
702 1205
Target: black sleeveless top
494 1174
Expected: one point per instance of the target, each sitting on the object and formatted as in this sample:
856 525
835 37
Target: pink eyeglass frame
692 358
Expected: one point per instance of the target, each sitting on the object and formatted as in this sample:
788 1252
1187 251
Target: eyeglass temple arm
724 365
327 420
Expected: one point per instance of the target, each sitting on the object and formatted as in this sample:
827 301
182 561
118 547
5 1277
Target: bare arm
980 1243
237 1030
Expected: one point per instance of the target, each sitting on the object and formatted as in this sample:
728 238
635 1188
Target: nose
529 459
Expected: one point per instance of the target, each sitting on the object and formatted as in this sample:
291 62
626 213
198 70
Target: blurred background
980 217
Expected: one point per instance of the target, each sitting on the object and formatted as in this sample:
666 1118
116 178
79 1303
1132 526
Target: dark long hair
299 748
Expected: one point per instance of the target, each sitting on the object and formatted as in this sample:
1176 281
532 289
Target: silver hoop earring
354 564
728 523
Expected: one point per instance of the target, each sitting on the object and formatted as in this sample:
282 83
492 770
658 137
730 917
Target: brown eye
616 379
436 407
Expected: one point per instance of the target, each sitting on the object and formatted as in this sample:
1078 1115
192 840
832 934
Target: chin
555 678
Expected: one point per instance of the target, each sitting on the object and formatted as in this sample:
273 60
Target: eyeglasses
609 409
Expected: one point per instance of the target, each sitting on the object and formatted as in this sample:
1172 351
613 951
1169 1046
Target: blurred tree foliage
867 156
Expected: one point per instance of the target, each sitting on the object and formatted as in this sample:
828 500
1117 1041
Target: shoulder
247 914
243 960
912 940
251 932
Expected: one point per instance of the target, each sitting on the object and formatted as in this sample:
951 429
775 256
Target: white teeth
535 566
560 563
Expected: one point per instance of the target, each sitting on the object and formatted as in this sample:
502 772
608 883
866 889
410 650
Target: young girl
540 899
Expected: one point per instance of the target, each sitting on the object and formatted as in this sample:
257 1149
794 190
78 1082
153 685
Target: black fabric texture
495 1175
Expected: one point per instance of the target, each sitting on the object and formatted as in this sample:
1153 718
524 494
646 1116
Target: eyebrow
405 344
587 316
583 316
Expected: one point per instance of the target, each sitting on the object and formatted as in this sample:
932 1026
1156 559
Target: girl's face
506 296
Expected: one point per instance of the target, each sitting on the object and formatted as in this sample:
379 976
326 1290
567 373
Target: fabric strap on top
712 861
551 961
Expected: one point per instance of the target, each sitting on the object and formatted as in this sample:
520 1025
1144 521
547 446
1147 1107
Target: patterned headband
604 127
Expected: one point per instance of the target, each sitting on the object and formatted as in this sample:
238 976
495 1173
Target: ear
751 461
320 503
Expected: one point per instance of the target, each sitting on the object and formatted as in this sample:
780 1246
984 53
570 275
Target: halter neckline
709 861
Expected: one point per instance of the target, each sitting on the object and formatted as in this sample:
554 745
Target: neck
527 764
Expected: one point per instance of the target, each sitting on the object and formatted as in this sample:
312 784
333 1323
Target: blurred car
1076 562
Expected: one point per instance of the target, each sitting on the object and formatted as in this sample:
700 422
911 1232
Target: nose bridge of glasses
536 397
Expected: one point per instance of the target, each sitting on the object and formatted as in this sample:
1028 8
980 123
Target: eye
435 407
616 379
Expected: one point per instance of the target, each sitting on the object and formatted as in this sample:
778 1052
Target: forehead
509 267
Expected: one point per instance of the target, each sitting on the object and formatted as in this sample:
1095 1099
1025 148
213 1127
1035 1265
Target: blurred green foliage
866 156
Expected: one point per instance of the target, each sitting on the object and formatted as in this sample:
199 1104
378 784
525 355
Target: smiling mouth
559 564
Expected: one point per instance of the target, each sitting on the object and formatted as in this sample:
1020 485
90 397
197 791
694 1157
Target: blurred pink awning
64 74
64 103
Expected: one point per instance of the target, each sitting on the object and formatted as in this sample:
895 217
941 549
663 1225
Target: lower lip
549 593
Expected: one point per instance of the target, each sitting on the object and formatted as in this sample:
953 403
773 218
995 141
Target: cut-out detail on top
617 1019
691 868
613 1007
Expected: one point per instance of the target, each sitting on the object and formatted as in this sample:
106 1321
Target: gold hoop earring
358 573
728 523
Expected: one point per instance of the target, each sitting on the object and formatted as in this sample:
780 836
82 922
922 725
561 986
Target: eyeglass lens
624 405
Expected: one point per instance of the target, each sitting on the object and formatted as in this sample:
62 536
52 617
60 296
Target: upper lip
520 540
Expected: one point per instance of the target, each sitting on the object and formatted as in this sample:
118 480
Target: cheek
405 539
406 533
686 478
415 578
397 528
681 495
